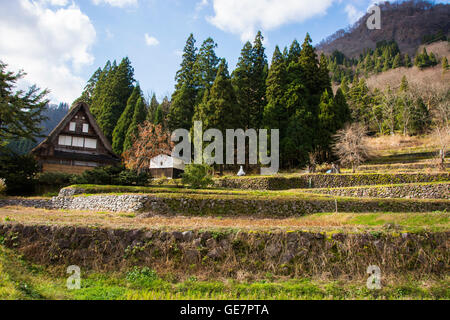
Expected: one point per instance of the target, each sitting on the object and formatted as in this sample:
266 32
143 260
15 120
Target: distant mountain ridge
408 23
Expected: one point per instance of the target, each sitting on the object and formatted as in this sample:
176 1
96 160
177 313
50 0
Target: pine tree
328 122
241 79
152 108
158 119
97 96
408 62
444 64
342 109
324 74
21 113
310 71
115 96
404 84
121 129
294 52
258 79
186 73
275 115
397 61
139 116
182 108
185 96
88 91
205 67
219 105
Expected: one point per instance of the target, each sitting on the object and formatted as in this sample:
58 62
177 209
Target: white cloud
116 3
50 45
245 17
353 14
151 41
56 2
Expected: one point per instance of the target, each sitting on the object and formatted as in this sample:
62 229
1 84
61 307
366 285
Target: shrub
110 175
197 176
54 179
18 172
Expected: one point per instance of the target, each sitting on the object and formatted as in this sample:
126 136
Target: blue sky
60 43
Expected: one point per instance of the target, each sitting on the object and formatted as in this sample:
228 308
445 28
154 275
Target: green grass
21 280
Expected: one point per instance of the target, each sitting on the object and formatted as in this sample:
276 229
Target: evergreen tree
152 108
328 122
219 105
444 64
88 91
182 108
397 61
21 113
205 67
115 96
258 77
186 73
139 116
294 52
185 96
242 80
408 62
121 129
158 119
342 109
309 70
98 93
324 74
275 115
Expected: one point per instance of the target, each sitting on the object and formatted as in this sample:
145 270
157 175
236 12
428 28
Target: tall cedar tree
100 86
258 79
219 105
241 79
20 112
205 67
88 91
139 116
184 97
152 108
121 129
115 97
275 115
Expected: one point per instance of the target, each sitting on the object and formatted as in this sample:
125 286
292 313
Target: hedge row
327 180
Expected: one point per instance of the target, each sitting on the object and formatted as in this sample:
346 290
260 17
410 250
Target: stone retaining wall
227 254
226 206
31 203
429 191
327 180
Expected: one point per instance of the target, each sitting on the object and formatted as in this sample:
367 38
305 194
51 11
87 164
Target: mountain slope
409 23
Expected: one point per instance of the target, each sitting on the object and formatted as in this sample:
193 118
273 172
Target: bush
54 179
197 176
18 173
110 175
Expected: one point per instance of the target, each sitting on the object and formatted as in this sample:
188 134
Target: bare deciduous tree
351 146
441 115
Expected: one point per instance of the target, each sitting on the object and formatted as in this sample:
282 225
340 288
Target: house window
90 143
85 128
78 142
72 126
65 140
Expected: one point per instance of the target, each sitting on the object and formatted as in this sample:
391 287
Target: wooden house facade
76 144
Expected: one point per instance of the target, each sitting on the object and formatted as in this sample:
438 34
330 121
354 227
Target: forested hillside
408 23
53 114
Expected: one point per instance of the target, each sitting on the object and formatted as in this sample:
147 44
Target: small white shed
166 166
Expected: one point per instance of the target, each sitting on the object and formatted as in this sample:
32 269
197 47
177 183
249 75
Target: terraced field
291 236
